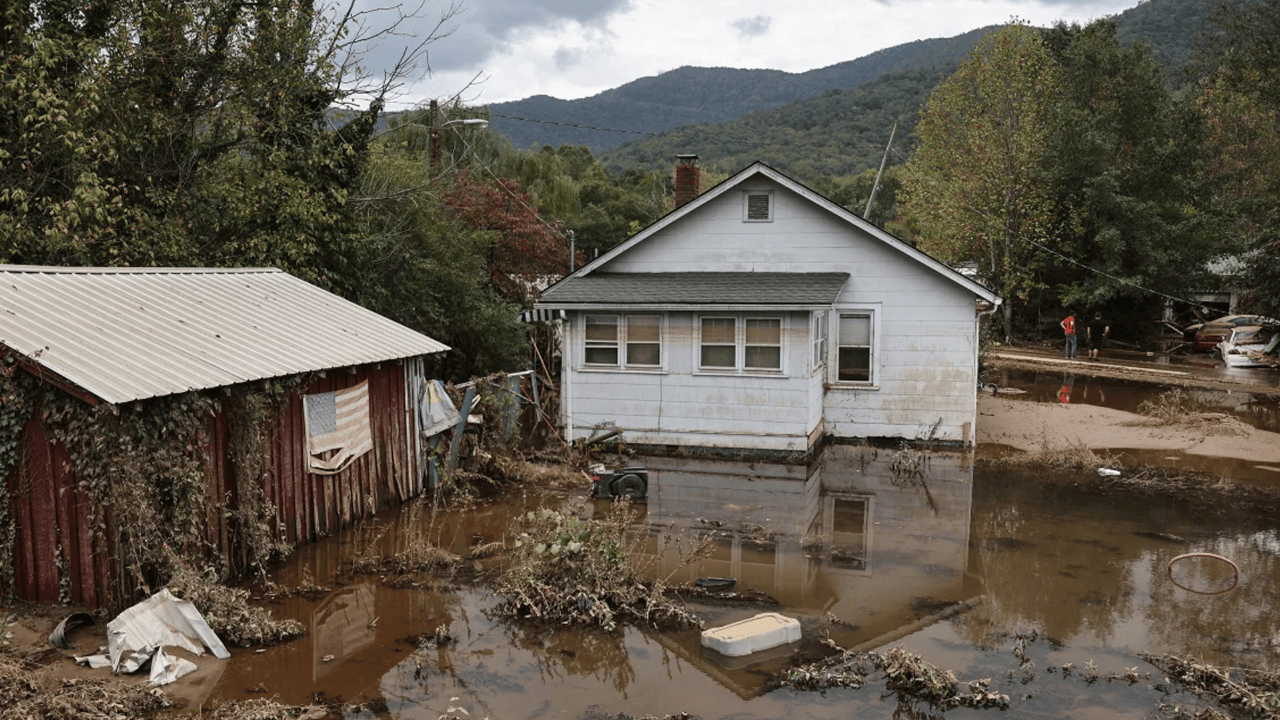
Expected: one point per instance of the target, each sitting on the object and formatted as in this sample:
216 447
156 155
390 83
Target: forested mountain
837 133
708 96
690 95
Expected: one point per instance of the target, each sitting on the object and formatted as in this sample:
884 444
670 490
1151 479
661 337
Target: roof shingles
697 289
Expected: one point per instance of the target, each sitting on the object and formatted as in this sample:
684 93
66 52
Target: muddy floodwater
1049 585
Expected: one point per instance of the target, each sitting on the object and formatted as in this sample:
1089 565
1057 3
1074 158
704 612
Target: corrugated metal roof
697 288
132 333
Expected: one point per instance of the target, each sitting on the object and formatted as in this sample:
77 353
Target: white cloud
752 27
576 48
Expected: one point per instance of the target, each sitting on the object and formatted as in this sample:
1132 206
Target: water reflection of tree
576 652
1234 627
1037 556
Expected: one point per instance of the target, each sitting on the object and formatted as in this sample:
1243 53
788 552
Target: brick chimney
688 179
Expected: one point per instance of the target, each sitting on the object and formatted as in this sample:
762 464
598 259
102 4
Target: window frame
821 329
873 346
740 345
698 347
623 342
747 344
746 206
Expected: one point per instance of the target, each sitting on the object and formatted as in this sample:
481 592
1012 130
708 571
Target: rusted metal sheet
123 334
54 519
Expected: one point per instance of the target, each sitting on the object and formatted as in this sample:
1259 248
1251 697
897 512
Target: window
639 335
757 206
855 348
820 325
763 346
734 343
719 343
644 340
601 340
848 521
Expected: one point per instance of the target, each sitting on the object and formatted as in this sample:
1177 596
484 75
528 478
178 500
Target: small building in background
759 316
311 407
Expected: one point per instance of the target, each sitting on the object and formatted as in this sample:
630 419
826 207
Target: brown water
952 566
1261 411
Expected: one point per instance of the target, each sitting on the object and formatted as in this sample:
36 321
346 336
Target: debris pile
1254 693
565 569
905 674
228 612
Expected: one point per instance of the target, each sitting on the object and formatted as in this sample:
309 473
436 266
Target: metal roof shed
124 334
119 335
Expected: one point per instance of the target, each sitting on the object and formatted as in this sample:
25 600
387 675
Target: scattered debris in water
228 612
905 674
1162 537
1253 692
565 569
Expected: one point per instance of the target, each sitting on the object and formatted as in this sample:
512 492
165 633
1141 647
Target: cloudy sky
577 48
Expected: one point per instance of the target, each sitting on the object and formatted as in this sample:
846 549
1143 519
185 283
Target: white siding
681 405
925 358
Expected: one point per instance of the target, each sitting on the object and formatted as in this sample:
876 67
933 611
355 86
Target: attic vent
759 207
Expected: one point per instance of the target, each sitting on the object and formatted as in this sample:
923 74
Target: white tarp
160 620
438 411
168 668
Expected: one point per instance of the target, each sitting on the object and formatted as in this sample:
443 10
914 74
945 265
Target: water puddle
1033 580
1260 411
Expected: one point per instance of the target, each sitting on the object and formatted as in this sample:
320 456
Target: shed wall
53 517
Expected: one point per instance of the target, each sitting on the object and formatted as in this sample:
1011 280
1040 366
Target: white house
761 316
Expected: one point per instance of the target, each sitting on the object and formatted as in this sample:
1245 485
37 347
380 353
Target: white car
1251 346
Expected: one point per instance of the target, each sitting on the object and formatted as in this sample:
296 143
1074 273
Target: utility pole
437 132
876 185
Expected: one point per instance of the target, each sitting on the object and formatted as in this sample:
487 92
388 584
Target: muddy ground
1003 420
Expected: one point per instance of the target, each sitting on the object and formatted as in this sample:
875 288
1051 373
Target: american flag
337 428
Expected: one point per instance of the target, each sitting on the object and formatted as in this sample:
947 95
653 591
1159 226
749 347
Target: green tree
1240 99
1122 162
186 132
973 186
419 267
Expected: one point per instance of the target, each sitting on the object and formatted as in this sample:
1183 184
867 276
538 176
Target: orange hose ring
1235 568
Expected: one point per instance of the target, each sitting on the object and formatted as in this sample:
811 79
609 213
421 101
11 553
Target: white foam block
764 631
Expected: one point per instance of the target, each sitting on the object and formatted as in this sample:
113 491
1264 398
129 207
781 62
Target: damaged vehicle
1251 346
1209 335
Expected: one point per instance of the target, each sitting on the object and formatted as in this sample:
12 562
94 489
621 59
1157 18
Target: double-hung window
719 343
735 344
632 341
820 329
644 340
855 348
762 345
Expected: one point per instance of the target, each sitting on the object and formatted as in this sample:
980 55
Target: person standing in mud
1069 328
1095 333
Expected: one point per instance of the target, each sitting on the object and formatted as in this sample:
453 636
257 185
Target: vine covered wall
103 504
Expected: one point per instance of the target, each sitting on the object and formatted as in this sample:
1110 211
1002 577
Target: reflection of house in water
880 545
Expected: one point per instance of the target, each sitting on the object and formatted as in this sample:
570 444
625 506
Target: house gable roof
760 169
703 289
123 334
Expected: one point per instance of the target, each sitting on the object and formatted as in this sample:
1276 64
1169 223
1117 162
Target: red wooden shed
344 443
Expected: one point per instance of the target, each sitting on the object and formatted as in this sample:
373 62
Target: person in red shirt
1069 328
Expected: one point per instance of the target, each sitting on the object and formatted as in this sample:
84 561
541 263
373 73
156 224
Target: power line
1049 250
572 125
